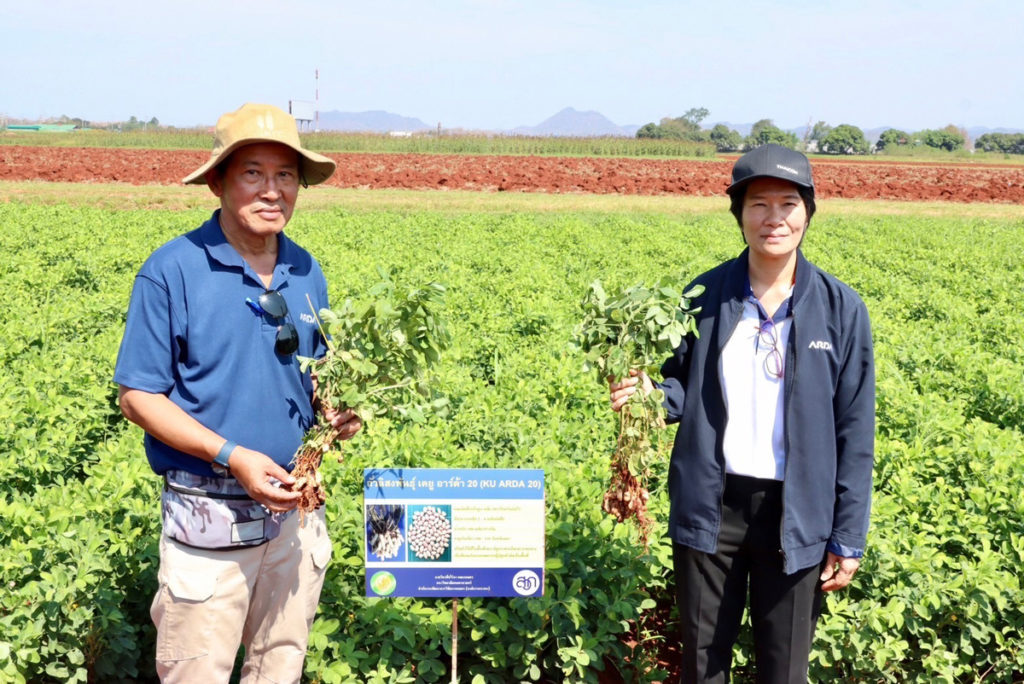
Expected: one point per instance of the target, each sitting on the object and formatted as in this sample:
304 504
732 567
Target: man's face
258 189
774 217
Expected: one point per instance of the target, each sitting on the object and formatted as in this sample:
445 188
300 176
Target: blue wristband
221 458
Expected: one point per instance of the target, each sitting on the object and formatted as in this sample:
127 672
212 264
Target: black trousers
711 589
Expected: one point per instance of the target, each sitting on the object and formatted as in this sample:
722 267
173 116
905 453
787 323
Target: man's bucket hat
771 161
257 123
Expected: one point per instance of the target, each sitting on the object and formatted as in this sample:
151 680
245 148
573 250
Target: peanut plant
635 329
378 355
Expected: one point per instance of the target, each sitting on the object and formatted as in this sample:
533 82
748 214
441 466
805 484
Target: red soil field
861 179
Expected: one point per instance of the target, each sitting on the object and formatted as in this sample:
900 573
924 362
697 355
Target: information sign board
451 533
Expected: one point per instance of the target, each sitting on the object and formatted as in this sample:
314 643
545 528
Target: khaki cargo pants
264 597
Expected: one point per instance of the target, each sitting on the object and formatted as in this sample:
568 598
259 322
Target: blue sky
497 64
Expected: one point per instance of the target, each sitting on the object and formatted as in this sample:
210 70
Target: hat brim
315 168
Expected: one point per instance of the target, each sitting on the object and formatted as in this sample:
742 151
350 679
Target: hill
573 123
375 121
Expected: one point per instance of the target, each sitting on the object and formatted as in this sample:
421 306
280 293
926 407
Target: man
770 476
208 369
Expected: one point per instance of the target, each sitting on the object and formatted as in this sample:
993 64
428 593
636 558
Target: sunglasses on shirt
273 305
766 335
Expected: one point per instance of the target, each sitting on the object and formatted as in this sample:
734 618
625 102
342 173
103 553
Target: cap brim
746 181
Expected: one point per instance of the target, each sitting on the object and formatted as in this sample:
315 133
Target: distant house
400 134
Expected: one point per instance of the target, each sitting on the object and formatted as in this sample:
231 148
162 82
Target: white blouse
754 443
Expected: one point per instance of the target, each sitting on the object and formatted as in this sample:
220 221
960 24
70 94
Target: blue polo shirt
191 336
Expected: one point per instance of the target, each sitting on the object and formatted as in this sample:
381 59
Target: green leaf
56 669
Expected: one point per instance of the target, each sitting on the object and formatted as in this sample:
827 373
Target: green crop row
939 596
328 142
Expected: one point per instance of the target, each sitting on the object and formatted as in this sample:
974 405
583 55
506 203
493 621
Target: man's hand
254 470
838 571
623 390
346 422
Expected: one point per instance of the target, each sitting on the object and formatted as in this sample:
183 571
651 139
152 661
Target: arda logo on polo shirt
307 318
820 344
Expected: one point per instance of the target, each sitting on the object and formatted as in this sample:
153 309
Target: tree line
132 124
1007 143
824 138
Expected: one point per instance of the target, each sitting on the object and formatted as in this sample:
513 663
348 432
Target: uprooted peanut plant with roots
379 352
634 329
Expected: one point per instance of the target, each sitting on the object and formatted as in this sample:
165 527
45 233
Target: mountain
572 123
977 131
376 121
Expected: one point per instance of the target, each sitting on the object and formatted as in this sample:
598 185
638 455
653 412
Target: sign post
455 640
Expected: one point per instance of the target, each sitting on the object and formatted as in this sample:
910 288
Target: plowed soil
863 179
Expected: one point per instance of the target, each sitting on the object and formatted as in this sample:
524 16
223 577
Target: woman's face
774 218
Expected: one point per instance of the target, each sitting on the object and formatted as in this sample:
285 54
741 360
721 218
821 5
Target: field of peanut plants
939 596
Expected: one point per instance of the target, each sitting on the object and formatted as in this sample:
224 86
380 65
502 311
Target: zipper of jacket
789 375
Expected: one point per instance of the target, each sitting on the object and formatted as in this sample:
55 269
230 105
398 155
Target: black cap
771 161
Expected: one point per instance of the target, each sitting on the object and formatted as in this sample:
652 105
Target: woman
770 476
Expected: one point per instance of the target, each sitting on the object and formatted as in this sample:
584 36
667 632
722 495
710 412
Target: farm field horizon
939 597
946 180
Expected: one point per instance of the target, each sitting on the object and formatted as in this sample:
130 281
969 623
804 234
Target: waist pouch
214 513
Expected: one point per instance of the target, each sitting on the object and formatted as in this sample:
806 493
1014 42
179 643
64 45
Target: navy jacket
829 413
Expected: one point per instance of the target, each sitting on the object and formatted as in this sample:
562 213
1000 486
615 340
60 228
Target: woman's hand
621 391
838 571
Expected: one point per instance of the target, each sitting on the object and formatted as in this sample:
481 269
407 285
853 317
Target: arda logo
525 582
820 344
